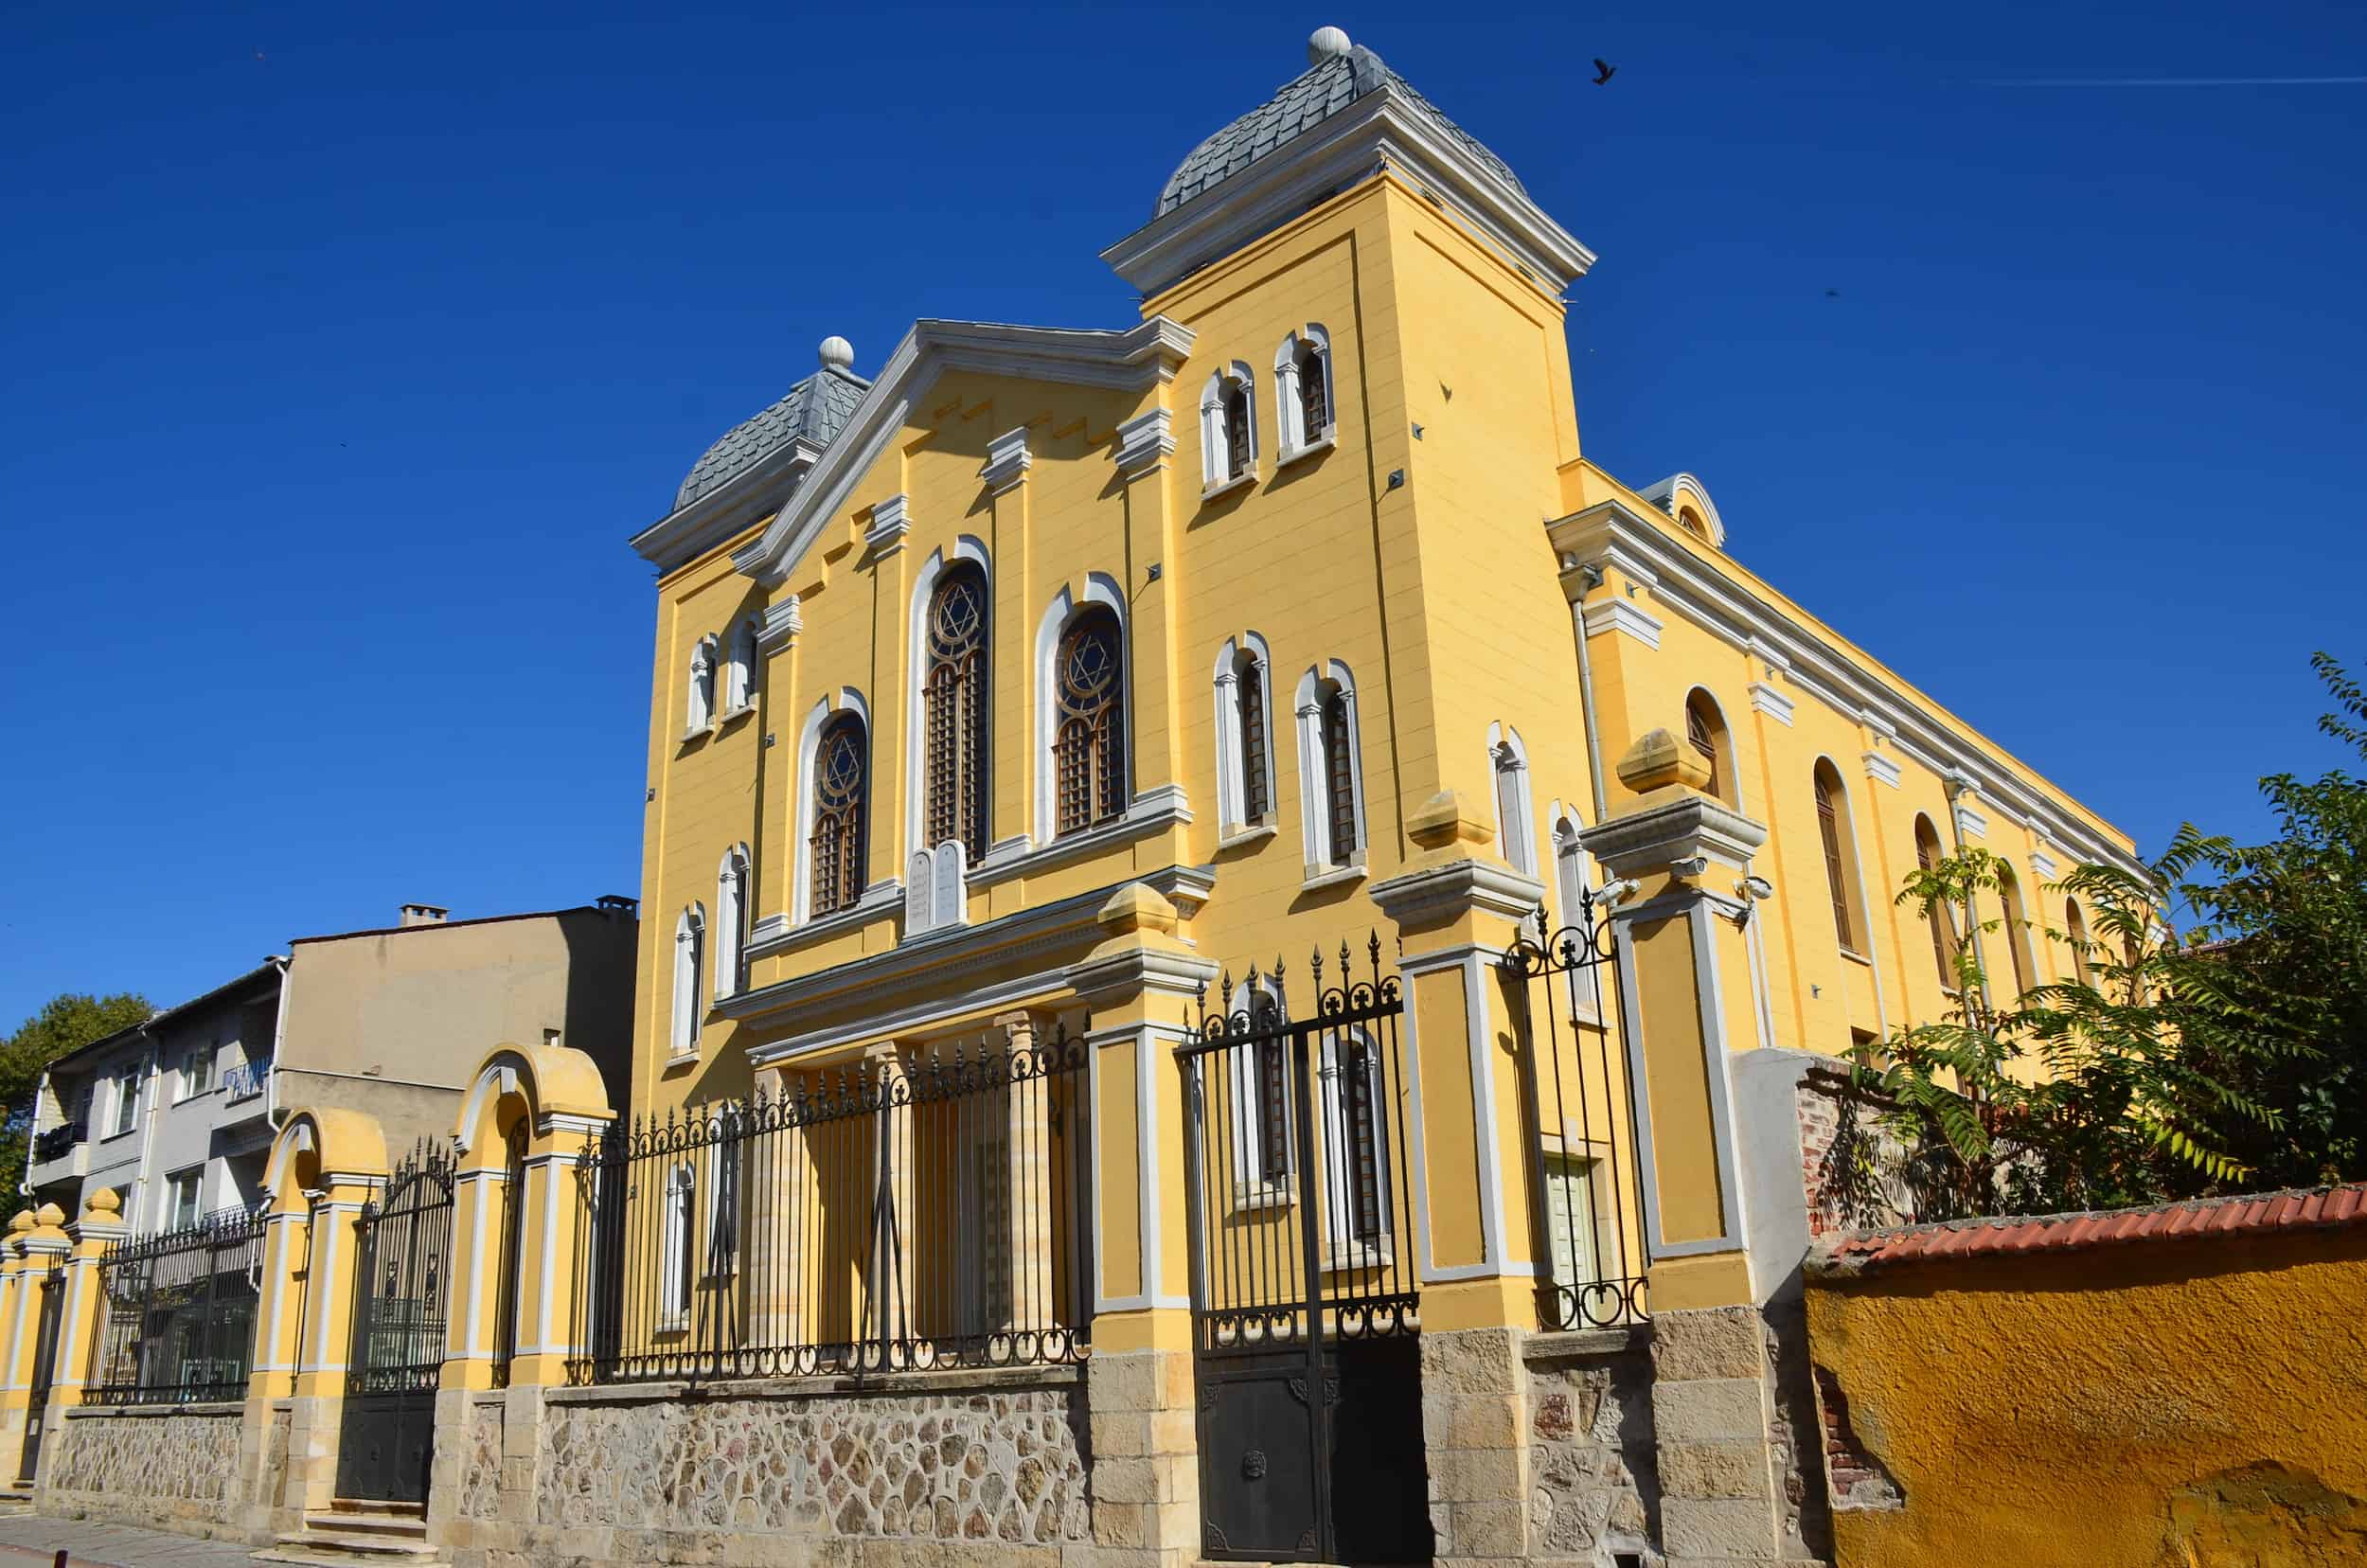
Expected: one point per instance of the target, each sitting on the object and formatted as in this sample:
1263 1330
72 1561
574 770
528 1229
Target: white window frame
1574 876
739 669
674 1284
1252 1189
844 699
189 1082
1574 1174
1516 806
194 1177
1290 409
1216 444
1323 862
126 1104
689 956
726 1160
1099 588
700 709
1342 1250
732 879
1239 653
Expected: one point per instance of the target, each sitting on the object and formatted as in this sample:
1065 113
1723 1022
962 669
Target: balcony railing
245 1082
56 1143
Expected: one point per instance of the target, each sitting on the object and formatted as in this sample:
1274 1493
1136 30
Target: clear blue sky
344 346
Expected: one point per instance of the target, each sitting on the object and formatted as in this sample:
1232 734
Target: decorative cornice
1686 827
1432 894
1882 768
1723 600
2042 865
775 934
1146 442
891 520
1624 614
1766 698
1971 823
1114 976
780 626
1007 460
1142 357
1383 133
1152 812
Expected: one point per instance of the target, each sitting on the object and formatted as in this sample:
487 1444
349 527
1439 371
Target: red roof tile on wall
2314 1208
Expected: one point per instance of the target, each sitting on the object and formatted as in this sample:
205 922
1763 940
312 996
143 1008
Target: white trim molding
1624 614
1006 461
965 548
844 699
1099 588
891 520
1145 444
1766 698
1323 858
1882 768
1971 823
780 626
1248 651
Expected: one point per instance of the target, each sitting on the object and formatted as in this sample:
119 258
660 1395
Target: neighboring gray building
177 1114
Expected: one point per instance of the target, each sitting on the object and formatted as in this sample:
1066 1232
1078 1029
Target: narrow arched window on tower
1705 731
841 766
1339 773
1237 449
1250 714
956 696
691 932
1089 743
2016 927
2076 928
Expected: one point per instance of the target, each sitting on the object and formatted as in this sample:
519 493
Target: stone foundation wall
992 1465
1594 1490
173 1467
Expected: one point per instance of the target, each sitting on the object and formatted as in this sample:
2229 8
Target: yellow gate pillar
1141 983
85 1243
350 1161
1457 907
292 1182
1686 1004
34 1253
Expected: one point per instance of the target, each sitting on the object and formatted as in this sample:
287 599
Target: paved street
26 1539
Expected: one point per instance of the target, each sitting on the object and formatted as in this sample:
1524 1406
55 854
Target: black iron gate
1304 1309
400 1299
51 1307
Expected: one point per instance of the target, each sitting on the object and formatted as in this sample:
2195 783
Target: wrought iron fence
900 1213
180 1315
1587 1214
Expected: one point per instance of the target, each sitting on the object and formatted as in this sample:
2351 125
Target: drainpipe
1592 576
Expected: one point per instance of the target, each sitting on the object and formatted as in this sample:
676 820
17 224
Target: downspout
1593 577
272 1116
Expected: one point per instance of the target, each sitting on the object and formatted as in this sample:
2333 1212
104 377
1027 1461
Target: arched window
702 705
739 668
1331 770
1303 406
1089 739
1690 521
1244 751
1356 1210
836 844
2076 928
1574 875
1928 856
690 934
677 1252
1228 427
1840 854
1516 808
731 919
1705 731
955 696
2017 928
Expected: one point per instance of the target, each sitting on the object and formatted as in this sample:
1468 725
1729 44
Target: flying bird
1604 70
1832 293
258 54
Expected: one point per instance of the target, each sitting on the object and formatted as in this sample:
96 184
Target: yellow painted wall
2163 1405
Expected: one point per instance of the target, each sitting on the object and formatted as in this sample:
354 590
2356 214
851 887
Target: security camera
1692 867
1621 891
1756 889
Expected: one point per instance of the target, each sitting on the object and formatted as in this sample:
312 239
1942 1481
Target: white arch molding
1232 766
844 699
1099 588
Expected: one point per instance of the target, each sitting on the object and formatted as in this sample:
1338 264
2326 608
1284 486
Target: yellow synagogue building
1241 955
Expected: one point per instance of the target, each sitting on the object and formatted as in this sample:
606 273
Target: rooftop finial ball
1323 44
837 354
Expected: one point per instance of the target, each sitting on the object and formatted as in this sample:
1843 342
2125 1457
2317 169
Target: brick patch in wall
1858 1481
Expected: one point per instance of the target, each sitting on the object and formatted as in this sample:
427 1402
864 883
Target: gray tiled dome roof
816 409
1326 88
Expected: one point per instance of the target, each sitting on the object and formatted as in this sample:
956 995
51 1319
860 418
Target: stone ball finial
1327 44
837 354
23 1222
49 1216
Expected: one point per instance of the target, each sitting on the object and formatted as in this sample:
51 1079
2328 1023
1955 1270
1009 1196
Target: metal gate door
1304 1303
44 1368
400 1299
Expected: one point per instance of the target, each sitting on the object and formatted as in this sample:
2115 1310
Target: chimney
419 914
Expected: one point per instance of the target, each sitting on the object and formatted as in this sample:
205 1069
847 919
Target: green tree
67 1022
2106 1090
2286 923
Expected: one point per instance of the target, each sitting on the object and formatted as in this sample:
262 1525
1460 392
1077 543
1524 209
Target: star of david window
1089 746
837 843
954 700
